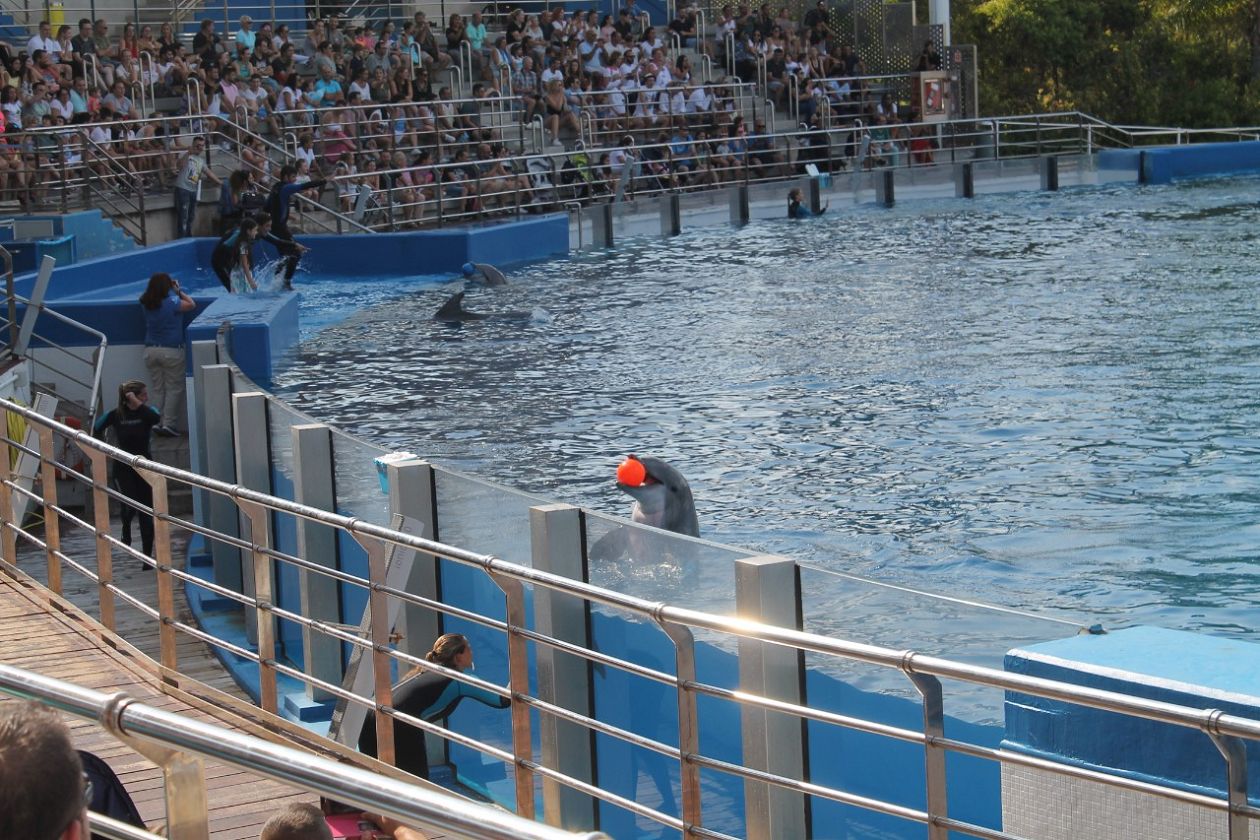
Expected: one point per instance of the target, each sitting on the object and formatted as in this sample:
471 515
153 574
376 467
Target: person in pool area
483 273
233 258
797 208
429 696
278 205
164 304
132 421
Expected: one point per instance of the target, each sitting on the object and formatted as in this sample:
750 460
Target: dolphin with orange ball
662 497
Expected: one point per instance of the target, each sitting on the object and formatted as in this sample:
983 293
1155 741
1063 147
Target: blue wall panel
1172 666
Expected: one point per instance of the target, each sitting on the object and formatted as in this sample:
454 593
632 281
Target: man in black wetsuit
278 204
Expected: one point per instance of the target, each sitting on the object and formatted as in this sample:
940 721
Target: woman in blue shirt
164 305
429 696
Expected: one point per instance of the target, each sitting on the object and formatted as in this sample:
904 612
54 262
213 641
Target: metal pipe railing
122 716
677 623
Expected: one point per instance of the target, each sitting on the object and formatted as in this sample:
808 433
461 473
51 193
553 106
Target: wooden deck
42 633
59 636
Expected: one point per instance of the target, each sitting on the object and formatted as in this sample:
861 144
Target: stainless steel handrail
913 665
904 660
410 804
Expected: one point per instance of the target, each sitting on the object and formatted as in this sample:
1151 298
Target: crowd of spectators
374 106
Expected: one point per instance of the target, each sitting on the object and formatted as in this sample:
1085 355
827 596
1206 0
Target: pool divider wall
1171 666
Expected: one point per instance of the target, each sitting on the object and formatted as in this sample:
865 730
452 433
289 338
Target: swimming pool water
1045 401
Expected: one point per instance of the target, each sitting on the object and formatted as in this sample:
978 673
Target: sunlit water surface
1044 401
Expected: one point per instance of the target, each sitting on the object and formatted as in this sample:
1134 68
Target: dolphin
663 501
484 272
453 310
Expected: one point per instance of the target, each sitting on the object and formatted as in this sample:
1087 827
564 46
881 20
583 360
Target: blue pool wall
1164 165
1155 663
865 764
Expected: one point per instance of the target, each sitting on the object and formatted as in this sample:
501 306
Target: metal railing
145 728
82 374
679 625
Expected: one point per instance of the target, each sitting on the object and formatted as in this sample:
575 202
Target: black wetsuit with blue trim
279 201
429 696
132 429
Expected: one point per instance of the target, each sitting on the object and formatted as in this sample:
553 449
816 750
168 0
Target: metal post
885 188
688 724
1050 173
264 625
167 641
378 613
739 204
767 589
965 180
1235 752
929 687
518 682
100 521
221 465
313 485
187 812
253 470
671 215
52 521
556 543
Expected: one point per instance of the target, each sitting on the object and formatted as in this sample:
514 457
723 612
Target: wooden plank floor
66 645
59 636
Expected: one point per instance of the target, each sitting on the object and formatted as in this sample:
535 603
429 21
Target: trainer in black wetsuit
132 422
429 696
278 205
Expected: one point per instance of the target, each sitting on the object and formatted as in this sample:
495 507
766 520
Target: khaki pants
166 382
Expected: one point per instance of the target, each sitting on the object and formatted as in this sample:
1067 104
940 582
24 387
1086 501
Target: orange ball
631 473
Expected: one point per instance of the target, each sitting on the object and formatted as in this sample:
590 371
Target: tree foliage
1193 63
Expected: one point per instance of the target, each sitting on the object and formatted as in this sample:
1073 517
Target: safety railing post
8 527
1234 750
929 688
518 682
52 521
162 559
100 522
378 613
184 782
688 723
260 542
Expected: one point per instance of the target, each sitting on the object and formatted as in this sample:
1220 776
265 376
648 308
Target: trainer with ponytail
428 695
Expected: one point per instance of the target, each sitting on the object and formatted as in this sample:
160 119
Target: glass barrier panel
658 565
847 607
485 517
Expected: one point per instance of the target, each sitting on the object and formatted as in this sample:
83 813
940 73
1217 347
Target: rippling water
1044 401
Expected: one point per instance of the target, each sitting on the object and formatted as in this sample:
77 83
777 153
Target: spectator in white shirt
44 41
